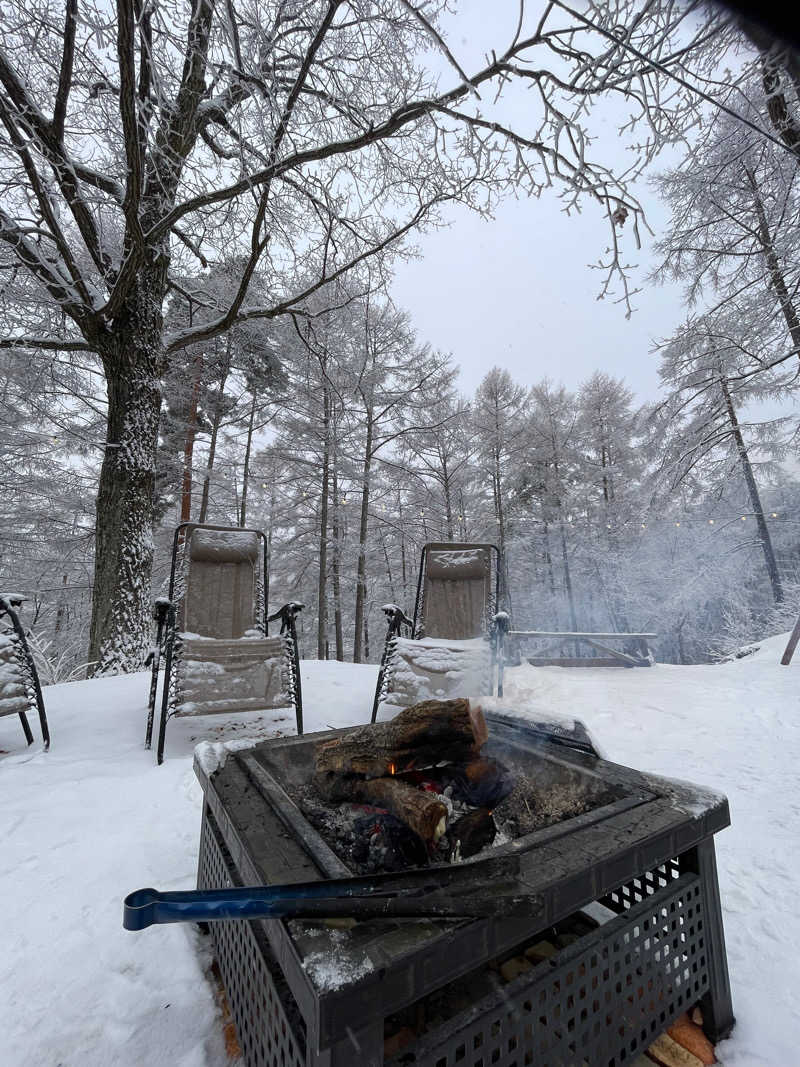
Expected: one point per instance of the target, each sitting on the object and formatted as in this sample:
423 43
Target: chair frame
8 606
165 615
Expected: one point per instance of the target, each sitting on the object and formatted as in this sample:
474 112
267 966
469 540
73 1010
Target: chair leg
298 689
151 703
162 725
23 718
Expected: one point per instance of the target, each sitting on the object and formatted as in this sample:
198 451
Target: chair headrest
455 563
224 546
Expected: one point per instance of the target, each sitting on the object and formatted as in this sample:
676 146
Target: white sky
517 290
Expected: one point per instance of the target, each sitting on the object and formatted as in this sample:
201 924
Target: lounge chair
213 632
446 649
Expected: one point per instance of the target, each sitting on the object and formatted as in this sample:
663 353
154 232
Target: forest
196 323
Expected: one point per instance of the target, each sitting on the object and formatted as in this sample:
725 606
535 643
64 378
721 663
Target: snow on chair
448 650
20 691
213 632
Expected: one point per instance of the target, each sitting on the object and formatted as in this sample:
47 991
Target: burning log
422 812
472 832
382 765
482 782
423 735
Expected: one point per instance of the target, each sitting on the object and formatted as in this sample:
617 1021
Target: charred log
423 735
483 783
421 812
471 833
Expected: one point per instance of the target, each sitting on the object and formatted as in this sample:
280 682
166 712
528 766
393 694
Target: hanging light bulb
710 522
644 525
677 524
263 485
774 514
744 518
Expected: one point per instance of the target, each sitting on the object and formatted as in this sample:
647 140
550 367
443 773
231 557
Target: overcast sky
517 290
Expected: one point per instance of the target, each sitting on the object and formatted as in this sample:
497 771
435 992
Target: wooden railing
613 657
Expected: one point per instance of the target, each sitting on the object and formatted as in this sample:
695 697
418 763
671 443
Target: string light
744 518
677 524
774 514
710 522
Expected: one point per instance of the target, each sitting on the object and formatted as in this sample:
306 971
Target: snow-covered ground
94 818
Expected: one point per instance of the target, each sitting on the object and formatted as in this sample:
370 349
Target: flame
392 768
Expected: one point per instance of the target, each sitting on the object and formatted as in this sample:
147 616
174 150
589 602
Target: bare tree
706 438
307 137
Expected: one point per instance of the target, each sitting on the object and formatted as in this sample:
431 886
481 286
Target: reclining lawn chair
20 691
447 648
213 632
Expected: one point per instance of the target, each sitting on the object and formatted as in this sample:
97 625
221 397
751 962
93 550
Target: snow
436 667
455 559
326 968
94 819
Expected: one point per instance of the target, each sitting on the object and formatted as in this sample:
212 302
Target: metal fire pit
303 995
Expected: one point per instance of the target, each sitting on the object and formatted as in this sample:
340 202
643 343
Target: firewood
397 1042
691 1037
514 967
473 832
420 811
668 1053
482 782
542 950
423 735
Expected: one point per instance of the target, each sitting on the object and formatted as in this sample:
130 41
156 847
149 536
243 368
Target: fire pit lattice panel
597 1004
268 1024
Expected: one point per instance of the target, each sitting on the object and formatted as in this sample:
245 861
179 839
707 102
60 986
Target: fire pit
628 933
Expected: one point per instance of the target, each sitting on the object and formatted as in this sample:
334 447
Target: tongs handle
328 899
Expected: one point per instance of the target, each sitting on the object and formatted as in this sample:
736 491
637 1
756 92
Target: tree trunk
776 275
361 576
63 611
322 580
133 358
269 544
548 558
755 499
568 581
191 435
336 571
501 522
246 471
448 507
392 592
402 550
212 446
